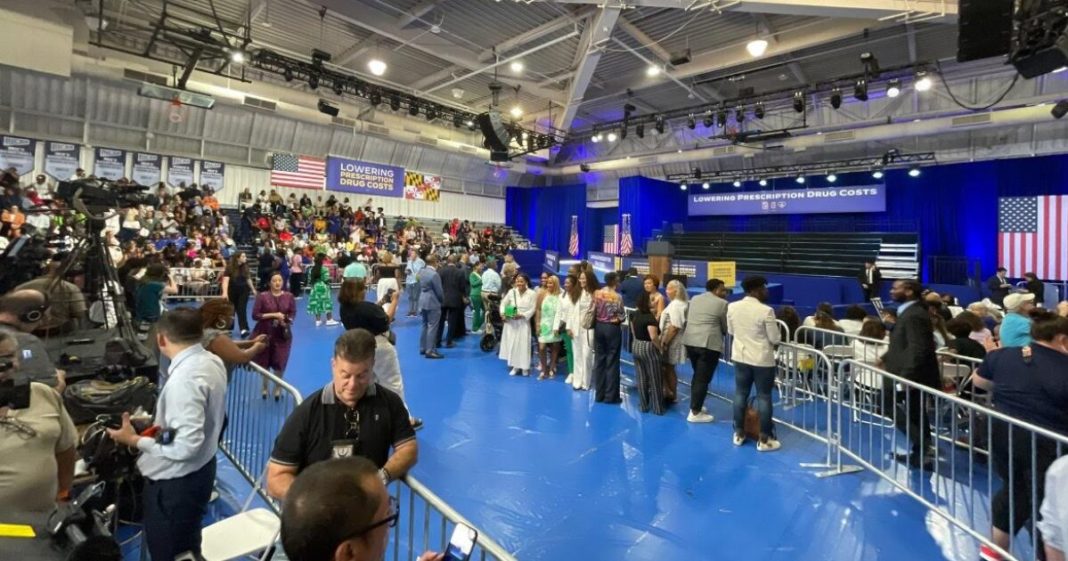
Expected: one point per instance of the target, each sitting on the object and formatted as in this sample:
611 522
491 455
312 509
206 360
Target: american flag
573 245
1033 236
626 243
305 172
611 237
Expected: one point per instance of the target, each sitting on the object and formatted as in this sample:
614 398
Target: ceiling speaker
985 29
494 131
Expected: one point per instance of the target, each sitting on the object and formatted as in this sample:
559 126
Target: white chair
954 373
838 352
245 534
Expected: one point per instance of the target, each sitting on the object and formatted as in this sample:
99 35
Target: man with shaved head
21 312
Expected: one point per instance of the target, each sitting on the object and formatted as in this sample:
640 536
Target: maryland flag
421 186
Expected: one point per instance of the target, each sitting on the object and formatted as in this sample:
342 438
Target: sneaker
318 322
568 379
738 439
513 372
332 322
769 445
701 417
987 553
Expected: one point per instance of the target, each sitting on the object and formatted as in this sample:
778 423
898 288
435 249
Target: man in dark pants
179 462
455 285
871 280
705 325
999 286
911 356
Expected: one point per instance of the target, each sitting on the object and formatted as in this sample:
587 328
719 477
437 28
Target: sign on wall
17 152
725 271
354 176
211 174
602 261
147 168
61 160
179 171
552 261
109 163
868 198
422 186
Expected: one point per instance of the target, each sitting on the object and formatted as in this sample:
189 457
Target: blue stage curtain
543 215
954 208
651 203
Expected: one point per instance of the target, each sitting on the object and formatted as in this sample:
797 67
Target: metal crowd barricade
196 283
962 492
426 523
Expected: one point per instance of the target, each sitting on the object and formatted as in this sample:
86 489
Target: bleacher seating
826 254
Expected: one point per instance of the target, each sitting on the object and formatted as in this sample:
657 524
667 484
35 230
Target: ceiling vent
647 161
343 122
971 120
259 103
376 129
426 140
840 136
723 151
138 76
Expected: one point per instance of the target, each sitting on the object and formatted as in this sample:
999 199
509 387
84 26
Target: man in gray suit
705 326
431 297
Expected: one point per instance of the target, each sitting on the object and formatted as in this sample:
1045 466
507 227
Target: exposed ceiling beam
927 10
543 30
354 51
645 40
591 47
431 79
768 31
419 10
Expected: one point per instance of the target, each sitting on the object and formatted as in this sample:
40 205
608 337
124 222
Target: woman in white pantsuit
517 307
582 339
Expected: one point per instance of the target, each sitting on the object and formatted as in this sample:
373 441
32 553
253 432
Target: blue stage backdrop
543 216
953 207
650 203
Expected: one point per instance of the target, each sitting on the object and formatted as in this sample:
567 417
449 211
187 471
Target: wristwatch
384 475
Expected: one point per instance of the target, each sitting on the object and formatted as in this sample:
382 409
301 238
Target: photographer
21 312
178 463
37 442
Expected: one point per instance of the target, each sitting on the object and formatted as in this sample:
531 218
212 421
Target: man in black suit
455 285
911 356
870 280
999 287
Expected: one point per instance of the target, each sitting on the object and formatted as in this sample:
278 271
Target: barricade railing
196 283
965 488
426 523
254 417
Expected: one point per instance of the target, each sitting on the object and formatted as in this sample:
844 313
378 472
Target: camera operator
21 312
37 441
67 309
178 463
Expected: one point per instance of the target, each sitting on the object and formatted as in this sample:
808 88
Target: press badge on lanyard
343 449
346 448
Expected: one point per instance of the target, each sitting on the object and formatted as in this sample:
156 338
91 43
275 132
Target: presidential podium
659 254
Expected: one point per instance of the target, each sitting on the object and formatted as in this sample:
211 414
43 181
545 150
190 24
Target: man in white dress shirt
752 323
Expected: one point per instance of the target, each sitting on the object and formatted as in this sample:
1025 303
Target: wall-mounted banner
109 163
725 271
602 261
147 169
17 152
420 186
552 261
61 160
179 171
353 176
867 198
211 175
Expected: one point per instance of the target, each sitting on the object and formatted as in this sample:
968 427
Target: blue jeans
745 376
429 335
413 298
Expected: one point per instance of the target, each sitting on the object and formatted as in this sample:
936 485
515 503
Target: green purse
511 310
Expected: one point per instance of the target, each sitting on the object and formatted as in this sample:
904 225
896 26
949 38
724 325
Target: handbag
510 311
587 316
286 333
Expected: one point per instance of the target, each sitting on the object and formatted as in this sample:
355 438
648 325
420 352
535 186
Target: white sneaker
739 439
769 445
568 379
318 322
332 322
513 372
701 417
704 409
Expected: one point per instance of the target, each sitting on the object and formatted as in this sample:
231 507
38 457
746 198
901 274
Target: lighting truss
899 160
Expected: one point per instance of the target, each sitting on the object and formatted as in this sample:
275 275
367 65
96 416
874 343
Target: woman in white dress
582 339
672 325
517 307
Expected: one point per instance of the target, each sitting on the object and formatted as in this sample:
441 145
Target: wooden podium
659 254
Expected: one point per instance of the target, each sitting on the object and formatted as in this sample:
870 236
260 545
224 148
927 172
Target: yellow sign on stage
724 271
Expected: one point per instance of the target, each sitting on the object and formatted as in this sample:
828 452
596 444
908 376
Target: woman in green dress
548 321
320 302
475 280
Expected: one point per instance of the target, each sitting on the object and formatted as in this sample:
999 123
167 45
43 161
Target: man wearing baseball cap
1016 327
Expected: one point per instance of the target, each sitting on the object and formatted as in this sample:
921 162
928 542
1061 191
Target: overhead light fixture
376 98
457 93
877 174
1060 109
339 88
697 173
737 183
691 122
706 185
739 114
376 66
708 119
313 81
516 66
683 187
394 102
836 97
758 112
516 111
237 56
659 124
721 117
799 101
288 74
457 120
893 88
763 182
923 81
639 130
470 124
653 71
914 171
612 137
596 138
831 177
413 109
431 113
860 90
623 132
1061 69
800 179
757 47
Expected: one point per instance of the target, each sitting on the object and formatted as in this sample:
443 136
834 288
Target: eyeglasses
391 520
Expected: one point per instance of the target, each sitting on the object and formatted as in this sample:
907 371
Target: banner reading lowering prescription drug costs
17 152
868 198
353 176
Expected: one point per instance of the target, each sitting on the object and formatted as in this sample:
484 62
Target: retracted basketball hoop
177 111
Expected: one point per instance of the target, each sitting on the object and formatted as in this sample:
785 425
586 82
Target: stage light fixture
1060 109
287 73
923 81
708 119
914 171
596 138
832 177
376 66
431 113
394 102
471 125
800 179
683 187
756 47
763 182
413 109
237 56
737 183
339 88
721 117
639 130
706 185
623 132
313 81
691 122
799 101
611 137
758 112
376 98
659 125
893 88
530 143
877 174
836 98
739 114
457 120
860 90
697 173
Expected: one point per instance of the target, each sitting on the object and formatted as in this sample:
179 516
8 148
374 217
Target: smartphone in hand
461 544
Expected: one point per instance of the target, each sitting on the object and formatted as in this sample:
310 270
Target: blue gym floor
552 475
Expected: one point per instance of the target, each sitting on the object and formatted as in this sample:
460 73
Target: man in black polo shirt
351 416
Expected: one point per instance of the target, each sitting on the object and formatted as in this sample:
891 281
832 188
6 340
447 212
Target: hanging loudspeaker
494 131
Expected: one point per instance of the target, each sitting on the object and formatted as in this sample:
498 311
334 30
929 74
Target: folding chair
244 534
